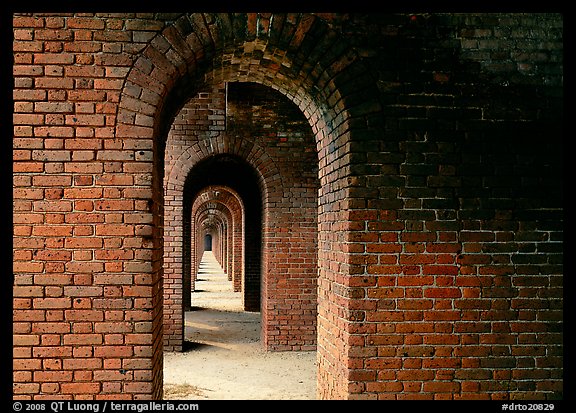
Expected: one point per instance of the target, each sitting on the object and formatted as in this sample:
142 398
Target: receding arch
299 55
213 141
208 242
209 230
234 172
303 58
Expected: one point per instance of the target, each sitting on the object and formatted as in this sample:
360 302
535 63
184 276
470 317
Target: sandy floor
223 357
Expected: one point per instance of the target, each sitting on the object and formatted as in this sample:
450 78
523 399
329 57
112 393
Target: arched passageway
308 63
231 172
208 242
260 172
226 236
438 176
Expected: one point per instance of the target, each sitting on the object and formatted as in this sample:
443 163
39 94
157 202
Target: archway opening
232 172
279 59
208 242
265 162
217 224
248 124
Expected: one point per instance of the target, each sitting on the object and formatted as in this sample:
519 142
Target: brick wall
459 237
85 293
439 155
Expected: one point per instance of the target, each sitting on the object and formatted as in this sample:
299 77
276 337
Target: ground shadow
192 346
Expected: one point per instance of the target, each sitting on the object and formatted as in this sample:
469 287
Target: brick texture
400 177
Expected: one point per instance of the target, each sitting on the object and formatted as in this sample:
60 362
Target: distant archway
235 173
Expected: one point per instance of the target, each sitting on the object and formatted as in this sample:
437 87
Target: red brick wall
439 155
456 241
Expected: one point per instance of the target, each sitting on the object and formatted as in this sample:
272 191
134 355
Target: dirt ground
224 358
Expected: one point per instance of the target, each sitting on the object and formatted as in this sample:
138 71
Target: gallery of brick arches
384 189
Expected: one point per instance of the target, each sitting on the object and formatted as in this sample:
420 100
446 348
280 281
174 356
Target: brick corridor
386 190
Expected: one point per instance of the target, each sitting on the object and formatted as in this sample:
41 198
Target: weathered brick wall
439 151
86 269
459 237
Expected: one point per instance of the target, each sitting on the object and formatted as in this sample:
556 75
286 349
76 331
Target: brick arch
298 55
207 212
213 144
217 231
232 259
301 57
180 259
212 141
202 211
218 218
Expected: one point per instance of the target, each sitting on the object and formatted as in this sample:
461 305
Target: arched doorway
308 63
231 172
224 205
